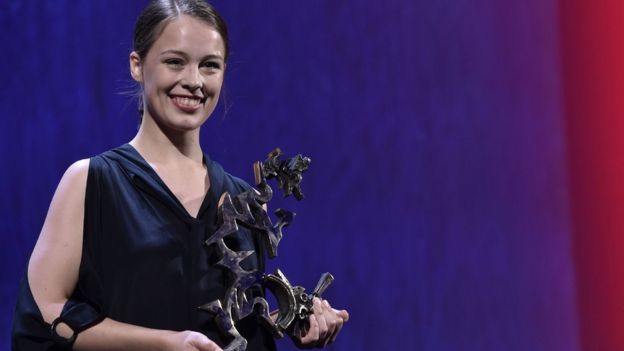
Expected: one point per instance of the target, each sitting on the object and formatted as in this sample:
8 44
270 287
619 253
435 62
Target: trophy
247 209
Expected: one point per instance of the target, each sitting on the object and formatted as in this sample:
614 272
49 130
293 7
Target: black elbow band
78 316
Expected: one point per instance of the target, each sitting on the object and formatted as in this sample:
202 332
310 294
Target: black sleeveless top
144 261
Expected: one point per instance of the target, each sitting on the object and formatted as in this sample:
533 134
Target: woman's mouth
187 103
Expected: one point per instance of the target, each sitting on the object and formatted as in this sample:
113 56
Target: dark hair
152 20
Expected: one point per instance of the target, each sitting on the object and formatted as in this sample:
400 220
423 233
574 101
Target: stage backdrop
438 193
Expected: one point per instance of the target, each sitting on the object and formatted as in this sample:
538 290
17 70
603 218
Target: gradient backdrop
465 187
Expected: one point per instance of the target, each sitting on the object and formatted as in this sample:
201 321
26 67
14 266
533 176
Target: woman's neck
159 146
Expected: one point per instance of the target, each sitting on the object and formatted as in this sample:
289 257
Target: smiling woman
120 263
181 80
157 15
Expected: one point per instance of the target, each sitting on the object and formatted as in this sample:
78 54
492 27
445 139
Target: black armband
78 316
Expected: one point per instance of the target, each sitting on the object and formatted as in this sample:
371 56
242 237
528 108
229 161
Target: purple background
438 192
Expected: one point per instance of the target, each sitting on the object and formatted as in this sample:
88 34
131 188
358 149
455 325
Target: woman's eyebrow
185 55
176 52
213 57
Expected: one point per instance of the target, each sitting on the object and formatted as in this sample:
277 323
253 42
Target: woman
120 262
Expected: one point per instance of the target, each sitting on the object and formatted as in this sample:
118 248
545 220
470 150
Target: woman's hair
158 13
154 17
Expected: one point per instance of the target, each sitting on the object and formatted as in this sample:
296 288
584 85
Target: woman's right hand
190 341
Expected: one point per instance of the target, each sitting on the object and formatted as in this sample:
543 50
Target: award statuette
247 209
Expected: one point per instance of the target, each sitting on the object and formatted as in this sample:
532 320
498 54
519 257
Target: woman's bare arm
54 264
53 274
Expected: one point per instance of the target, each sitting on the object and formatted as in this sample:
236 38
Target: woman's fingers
334 323
342 314
210 346
200 342
320 314
312 335
325 325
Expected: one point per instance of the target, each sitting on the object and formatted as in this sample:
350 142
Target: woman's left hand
325 324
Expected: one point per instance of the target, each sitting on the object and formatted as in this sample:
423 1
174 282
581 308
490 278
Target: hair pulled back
158 13
152 20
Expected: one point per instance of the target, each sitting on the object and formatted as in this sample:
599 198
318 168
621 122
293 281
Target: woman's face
181 74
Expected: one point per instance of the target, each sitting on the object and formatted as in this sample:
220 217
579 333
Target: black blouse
144 261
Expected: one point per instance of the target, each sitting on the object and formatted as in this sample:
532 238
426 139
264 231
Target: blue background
438 191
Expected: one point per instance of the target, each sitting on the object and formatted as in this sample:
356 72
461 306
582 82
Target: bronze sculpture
247 209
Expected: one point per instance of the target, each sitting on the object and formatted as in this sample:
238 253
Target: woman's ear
135 67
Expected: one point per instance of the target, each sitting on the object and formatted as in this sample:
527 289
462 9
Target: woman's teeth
187 102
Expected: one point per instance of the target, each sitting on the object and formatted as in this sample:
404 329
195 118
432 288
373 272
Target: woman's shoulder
116 153
229 182
81 172
79 166
121 157
240 184
77 172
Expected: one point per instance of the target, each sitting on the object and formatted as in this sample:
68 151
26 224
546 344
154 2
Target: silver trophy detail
248 209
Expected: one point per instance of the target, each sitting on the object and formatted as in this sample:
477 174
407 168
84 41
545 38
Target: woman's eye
211 65
174 62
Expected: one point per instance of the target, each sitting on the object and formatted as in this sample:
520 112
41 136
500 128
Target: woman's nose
191 80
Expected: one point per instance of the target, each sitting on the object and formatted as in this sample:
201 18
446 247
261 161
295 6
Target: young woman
120 262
